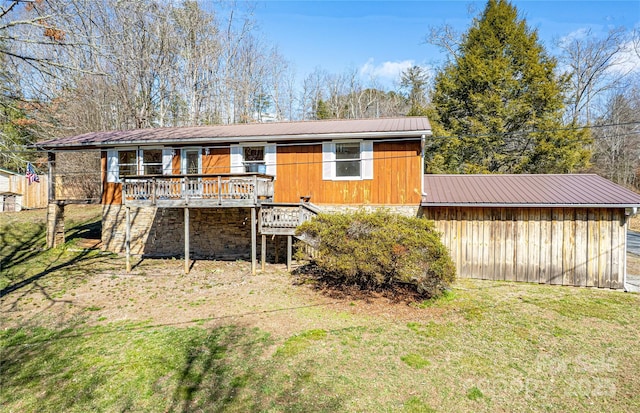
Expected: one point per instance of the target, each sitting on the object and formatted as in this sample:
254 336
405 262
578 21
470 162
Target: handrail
217 188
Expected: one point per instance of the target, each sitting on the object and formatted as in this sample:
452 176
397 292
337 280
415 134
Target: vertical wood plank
533 274
476 257
501 247
545 246
465 268
493 241
521 243
581 247
604 263
593 241
557 223
569 247
509 247
487 267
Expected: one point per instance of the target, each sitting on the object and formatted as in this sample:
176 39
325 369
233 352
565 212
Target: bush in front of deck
380 250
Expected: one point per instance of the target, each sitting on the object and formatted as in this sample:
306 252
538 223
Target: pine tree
498 106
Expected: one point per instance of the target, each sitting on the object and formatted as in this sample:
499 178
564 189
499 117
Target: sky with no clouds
381 38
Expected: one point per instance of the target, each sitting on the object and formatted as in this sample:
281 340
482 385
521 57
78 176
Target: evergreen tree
498 106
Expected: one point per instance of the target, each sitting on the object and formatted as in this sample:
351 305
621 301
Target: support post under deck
289 249
186 240
127 241
263 252
254 241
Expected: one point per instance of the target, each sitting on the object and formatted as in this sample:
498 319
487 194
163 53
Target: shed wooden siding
397 174
562 246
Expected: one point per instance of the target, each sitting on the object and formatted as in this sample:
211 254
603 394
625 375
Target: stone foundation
55 225
220 233
406 210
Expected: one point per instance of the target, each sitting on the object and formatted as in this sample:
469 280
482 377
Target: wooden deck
197 191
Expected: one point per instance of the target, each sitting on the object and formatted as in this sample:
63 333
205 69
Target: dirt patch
214 293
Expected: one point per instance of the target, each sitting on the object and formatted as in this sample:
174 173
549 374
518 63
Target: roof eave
256 138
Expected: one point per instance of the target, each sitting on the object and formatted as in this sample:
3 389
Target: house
226 191
202 190
16 194
549 229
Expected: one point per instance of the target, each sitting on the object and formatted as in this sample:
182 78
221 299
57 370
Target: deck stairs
284 218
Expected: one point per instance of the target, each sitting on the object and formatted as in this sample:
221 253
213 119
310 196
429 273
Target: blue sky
381 37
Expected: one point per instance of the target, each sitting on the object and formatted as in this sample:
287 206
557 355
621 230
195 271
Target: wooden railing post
219 190
153 191
186 190
255 189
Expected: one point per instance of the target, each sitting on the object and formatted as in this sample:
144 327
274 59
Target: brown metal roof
277 131
526 190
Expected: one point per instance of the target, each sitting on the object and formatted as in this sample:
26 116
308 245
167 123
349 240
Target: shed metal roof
559 190
254 132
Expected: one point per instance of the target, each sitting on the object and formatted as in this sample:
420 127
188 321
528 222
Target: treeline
500 103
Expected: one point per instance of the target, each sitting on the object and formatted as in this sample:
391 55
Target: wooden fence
565 246
34 195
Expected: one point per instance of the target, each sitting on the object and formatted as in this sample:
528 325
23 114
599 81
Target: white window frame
141 163
237 157
329 161
113 161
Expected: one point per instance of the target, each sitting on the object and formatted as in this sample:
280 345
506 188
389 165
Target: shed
567 229
10 202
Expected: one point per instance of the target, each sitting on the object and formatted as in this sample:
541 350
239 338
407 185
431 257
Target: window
347 160
253 158
151 161
131 162
127 163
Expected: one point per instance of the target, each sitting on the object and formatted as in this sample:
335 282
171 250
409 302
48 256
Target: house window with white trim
132 162
254 158
127 163
347 160
151 161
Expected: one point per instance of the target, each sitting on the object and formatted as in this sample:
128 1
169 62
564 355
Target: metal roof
560 190
253 132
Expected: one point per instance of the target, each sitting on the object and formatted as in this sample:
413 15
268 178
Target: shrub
380 250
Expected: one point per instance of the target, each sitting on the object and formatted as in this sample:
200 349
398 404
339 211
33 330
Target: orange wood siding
397 174
217 162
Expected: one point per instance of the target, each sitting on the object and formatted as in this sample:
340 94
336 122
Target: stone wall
221 233
407 210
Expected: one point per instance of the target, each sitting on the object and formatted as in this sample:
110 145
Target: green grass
484 347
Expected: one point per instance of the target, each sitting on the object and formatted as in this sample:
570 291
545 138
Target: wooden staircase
283 219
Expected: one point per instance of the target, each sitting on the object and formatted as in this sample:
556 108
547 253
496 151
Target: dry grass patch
80 334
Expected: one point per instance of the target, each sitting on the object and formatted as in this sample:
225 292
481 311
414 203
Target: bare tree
591 62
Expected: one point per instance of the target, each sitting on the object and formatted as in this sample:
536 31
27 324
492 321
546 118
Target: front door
192 165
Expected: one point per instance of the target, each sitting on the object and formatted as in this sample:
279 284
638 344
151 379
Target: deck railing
198 190
283 218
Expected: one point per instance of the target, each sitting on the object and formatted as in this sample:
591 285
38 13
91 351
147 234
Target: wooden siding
561 246
397 174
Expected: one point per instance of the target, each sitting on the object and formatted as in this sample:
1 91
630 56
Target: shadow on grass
163 369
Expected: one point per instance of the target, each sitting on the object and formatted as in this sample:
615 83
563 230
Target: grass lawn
79 334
